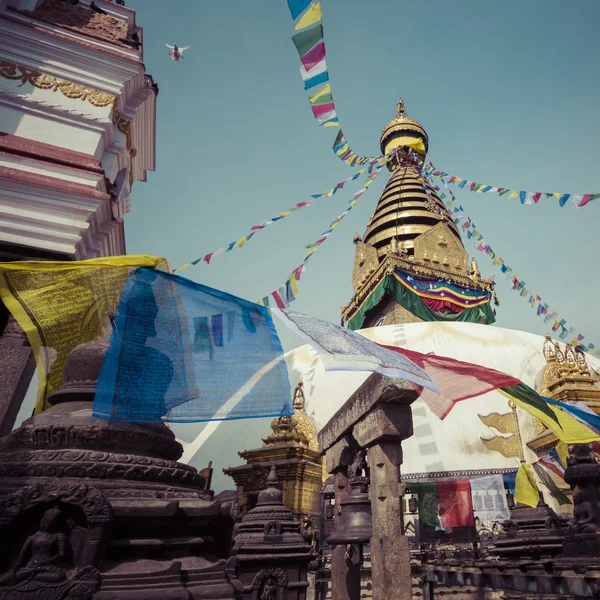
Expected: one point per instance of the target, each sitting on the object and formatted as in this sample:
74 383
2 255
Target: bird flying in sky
176 53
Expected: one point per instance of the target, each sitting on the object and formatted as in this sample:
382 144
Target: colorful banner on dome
543 309
425 298
524 197
60 305
310 44
183 352
278 217
283 296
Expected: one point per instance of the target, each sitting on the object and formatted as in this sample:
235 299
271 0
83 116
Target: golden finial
299 401
401 110
549 353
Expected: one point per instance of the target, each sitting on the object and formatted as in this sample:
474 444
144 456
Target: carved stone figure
45 554
269 590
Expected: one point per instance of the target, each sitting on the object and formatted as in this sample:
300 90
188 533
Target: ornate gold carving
442 239
509 447
82 20
366 263
43 81
74 91
505 423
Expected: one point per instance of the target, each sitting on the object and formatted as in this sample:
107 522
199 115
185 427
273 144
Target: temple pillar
18 367
382 432
376 417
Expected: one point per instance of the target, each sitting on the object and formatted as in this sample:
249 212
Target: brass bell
354 525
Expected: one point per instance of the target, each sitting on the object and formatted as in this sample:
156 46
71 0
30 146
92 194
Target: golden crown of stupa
402 123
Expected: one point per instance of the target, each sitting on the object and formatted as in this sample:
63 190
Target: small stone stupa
272 554
91 507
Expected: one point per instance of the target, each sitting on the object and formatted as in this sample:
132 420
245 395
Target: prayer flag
556 492
325 90
427 499
314 56
345 350
455 503
60 305
170 361
526 490
308 39
321 109
310 17
297 7
489 498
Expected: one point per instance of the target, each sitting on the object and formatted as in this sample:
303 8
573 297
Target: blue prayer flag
462 184
183 352
316 80
297 7
510 480
523 197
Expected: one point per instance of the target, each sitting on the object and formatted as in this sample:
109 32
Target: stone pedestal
18 367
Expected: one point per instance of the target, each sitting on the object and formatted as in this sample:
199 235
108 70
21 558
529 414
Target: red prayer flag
455 503
313 56
321 109
456 380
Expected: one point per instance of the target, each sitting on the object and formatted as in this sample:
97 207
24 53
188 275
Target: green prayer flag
503 192
305 40
556 492
324 99
527 396
427 496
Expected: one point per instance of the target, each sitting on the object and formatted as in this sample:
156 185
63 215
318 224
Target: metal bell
355 524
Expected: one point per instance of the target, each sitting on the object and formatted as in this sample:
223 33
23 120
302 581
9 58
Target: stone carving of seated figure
45 554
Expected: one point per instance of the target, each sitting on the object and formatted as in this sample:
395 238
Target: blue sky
507 91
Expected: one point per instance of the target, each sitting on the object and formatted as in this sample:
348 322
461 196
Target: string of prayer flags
543 309
183 352
578 200
310 44
341 148
282 215
283 296
60 305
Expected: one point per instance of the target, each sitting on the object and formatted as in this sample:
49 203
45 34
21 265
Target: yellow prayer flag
568 429
182 267
242 241
311 16
284 214
557 195
513 194
293 284
61 305
410 141
331 124
326 89
562 449
526 490
457 180
343 149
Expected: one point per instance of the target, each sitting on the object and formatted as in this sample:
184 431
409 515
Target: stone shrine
102 509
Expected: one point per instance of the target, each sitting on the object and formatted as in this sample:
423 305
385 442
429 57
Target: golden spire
401 110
